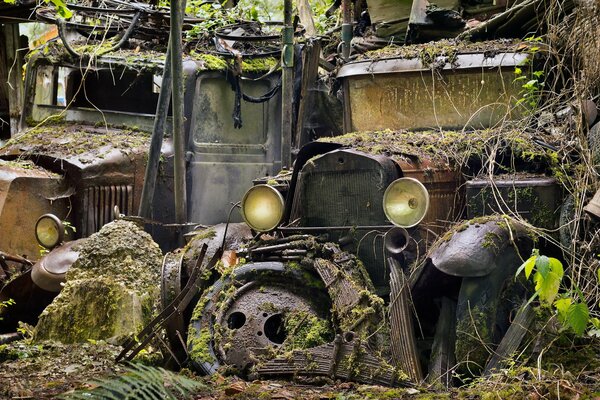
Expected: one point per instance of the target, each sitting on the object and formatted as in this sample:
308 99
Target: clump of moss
75 140
111 290
306 330
446 47
445 148
212 62
198 345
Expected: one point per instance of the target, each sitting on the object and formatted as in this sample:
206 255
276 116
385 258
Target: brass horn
396 240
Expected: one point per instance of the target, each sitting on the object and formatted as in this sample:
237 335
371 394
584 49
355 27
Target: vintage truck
81 154
388 254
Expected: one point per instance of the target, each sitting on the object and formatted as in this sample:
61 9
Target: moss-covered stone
111 290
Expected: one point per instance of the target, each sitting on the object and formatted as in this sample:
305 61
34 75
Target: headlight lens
262 208
405 202
49 230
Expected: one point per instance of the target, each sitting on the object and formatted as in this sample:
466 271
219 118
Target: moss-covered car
401 237
80 157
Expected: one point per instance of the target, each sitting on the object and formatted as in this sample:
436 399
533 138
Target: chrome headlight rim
58 226
391 187
278 216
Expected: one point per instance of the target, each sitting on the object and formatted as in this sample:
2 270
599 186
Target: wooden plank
306 17
4 123
511 341
310 59
14 65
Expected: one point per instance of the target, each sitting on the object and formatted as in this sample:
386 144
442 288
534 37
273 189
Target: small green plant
6 303
69 228
570 307
532 81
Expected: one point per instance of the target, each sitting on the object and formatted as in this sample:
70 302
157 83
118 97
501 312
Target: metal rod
178 132
334 228
287 85
158 130
346 29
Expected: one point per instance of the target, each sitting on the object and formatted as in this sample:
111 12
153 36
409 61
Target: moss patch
427 52
75 140
444 148
306 330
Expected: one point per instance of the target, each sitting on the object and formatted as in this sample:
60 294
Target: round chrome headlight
262 208
405 202
49 231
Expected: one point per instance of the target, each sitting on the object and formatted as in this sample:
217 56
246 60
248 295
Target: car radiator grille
349 198
342 198
99 203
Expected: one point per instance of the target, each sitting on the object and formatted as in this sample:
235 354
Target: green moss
210 62
472 335
306 330
449 48
198 344
72 140
445 148
213 62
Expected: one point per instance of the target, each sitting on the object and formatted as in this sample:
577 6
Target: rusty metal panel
446 200
471 91
25 195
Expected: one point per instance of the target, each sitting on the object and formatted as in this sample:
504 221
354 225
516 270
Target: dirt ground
48 369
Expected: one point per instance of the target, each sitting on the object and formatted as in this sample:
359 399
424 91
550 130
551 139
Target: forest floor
47 369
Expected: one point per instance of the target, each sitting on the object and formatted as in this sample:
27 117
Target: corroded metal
136 343
402 333
474 90
41 191
50 271
347 360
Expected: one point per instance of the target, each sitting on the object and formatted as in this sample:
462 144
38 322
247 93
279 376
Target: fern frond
138 382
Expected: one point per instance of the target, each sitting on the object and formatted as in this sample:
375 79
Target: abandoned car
430 203
386 255
80 158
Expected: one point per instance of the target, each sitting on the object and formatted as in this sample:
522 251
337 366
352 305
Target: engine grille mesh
99 203
342 198
348 198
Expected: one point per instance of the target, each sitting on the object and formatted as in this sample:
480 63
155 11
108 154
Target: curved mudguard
476 248
481 257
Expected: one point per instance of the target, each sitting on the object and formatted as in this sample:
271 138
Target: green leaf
547 287
61 8
578 317
562 306
542 266
556 267
527 266
518 71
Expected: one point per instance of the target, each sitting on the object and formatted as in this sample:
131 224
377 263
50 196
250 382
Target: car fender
478 247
